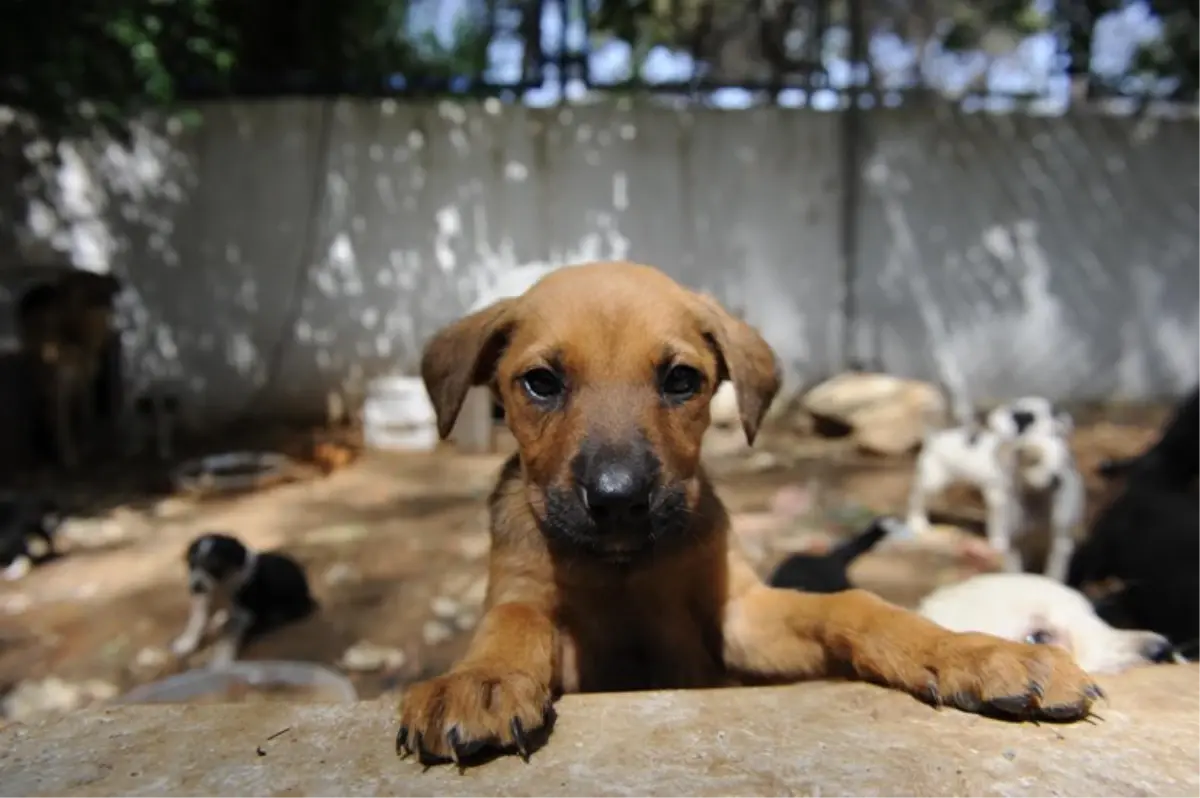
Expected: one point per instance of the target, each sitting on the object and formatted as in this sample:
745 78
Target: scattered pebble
366 656
341 573
33 697
15 603
466 621
476 592
151 658
434 632
345 533
444 607
94 533
474 546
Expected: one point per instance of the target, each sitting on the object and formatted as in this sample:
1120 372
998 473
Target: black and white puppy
26 534
258 592
1021 462
827 573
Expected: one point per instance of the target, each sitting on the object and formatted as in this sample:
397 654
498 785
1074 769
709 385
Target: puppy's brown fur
65 328
688 611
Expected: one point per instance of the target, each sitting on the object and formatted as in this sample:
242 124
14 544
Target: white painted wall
1001 255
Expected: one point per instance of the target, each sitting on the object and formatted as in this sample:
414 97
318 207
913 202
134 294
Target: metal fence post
851 178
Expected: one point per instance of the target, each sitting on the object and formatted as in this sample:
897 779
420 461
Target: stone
365 656
476 592
341 573
81 534
33 698
822 738
435 632
474 545
444 607
151 658
885 414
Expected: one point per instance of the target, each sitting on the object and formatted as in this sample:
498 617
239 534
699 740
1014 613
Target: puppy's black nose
615 483
1159 650
617 491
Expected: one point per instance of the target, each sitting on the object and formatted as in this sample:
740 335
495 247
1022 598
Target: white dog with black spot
1021 462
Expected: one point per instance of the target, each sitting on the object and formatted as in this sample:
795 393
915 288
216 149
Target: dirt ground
395 547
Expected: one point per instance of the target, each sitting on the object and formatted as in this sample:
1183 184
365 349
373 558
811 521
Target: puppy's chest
619 645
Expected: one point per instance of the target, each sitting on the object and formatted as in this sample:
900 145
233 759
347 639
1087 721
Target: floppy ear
461 355
745 359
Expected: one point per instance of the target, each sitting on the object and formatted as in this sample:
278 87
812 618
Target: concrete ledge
811 739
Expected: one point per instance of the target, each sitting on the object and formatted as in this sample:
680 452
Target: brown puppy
65 327
612 566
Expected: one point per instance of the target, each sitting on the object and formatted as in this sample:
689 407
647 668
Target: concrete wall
281 248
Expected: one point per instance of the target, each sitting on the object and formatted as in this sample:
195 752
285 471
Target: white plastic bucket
398 416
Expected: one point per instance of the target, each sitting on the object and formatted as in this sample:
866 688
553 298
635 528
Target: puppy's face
214 560
605 373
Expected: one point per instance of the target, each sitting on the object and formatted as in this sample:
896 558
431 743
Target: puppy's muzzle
1159 650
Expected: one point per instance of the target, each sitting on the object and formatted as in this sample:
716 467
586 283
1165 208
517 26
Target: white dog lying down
1037 609
1027 476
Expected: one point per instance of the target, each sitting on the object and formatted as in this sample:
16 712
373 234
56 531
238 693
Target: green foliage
77 65
88 63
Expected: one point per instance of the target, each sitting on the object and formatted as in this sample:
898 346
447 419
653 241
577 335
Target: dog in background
1021 462
827 573
1030 415
1143 547
612 565
245 593
27 529
65 328
1037 609
1175 456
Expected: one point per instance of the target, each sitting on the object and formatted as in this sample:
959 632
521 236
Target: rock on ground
885 414
808 739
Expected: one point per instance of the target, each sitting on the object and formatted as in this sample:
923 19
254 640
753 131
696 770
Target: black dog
25 526
261 590
1175 456
1147 540
826 573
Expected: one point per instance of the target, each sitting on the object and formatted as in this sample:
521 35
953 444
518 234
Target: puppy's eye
542 385
1040 637
681 383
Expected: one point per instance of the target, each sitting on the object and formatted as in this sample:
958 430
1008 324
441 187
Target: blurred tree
82 64
761 40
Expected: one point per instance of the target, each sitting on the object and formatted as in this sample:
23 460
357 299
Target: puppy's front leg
236 626
499 692
786 635
1003 520
189 640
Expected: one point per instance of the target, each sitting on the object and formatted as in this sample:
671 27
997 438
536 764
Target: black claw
934 695
518 733
414 745
402 742
1015 705
966 702
1093 691
1036 690
452 742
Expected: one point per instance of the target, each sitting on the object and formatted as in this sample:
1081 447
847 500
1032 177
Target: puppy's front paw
1020 681
467 711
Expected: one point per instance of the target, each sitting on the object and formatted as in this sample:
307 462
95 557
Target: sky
1032 67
